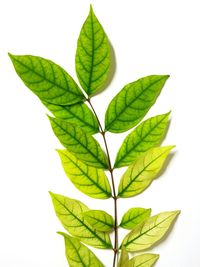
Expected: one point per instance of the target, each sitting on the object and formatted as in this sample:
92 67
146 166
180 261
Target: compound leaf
124 259
89 180
132 103
140 174
147 135
92 55
69 212
78 114
99 220
133 217
144 260
79 143
148 233
47 80
78 255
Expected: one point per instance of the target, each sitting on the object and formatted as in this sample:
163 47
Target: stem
113 185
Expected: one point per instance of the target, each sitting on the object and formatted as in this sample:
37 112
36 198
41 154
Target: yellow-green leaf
78 255
133 217
78 114
141 173
92 55
147 135
99 220
47 80
124 259
132 103
148 233
144 260
89 180
70 213
79 143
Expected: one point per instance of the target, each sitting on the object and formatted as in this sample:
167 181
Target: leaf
147 135
133 217
92 55
69 212
132 103
79 143
144 260
148 233
78 255
124 259
78 114
47 80
89 180
142 172
99 220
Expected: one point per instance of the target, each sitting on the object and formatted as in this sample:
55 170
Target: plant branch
113 184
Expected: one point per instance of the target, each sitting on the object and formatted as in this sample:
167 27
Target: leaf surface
69 212
144 260
148 233
79 143
92 55
89 180
78 114
133 217
78 255
99 220
47 80
141 173
147 135
124 259
132 103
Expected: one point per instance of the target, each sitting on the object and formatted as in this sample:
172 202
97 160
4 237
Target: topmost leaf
92 55
132 103
47 80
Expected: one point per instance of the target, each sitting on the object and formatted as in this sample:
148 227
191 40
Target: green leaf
147 135
132 103
89 180
124 259
78 114
133 217
69 211
99 220
79 143
144 260
148 233
142 172
92 55
78 255
47 80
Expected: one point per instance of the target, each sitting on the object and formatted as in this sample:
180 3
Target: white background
149 37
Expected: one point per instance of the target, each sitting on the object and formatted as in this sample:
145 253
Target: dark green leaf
47 80
92 55
132 103
69 212
79 143
89 180
147 135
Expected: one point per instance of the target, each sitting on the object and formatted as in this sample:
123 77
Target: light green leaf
132 103
78 114
144 260
78 255
79 143
47 80
89 180
148 233
99 220
147 135
92 55
133 217
142 172
69 211
124 259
